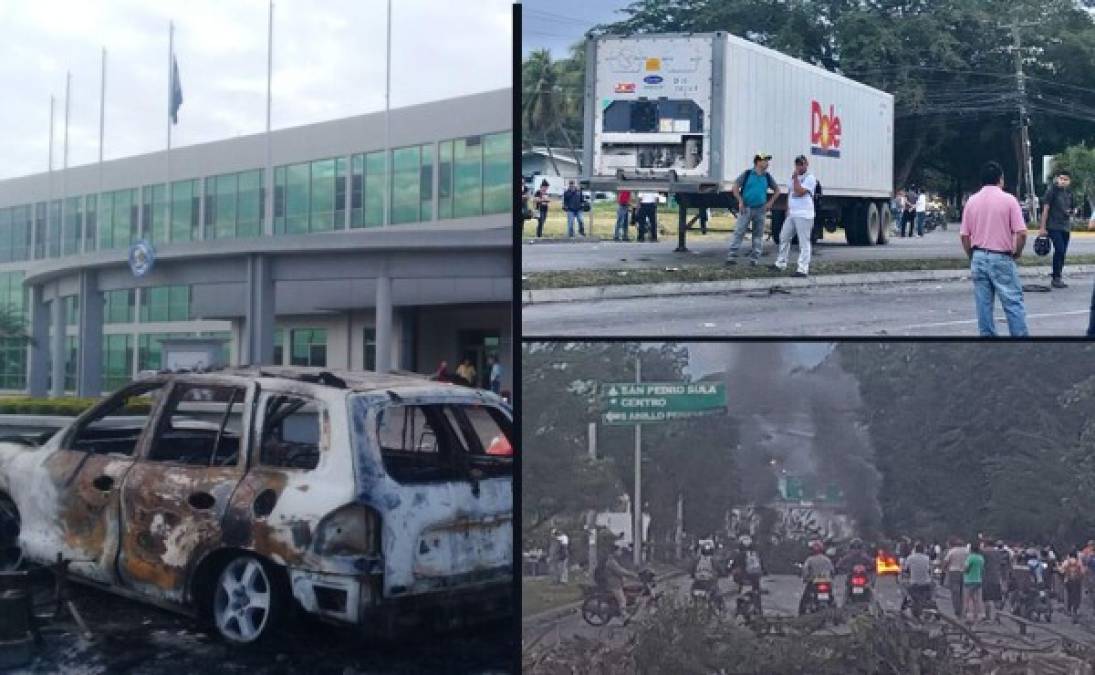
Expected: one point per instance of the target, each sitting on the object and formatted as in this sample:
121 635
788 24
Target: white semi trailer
686 113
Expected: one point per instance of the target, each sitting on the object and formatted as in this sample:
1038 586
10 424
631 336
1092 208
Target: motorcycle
706 593
599 606
917 599
819 596
747 605
1034 604
859 587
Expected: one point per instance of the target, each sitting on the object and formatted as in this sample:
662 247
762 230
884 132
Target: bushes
71 407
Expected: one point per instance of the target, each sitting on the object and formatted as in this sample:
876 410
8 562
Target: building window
357 191
249 206
412 184
154 213
92 221
53 232
72 347
72 310
309 347
467 177
13 351
226 346
184 210
342 171
39 230
444 179
119 219
118 306
73 234
279 347
374 189
6 234
369 356
165 303
323 196
498 173
297 177
117 361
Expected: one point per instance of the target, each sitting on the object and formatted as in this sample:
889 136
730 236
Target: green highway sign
635 402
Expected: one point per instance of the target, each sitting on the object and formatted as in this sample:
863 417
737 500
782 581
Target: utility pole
1024 120
637 505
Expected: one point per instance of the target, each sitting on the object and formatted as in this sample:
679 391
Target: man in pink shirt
993 236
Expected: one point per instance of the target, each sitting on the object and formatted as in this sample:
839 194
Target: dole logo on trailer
824 131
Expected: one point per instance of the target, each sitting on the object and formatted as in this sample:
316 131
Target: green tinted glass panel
374 189
91 222
117 360
249 206
467 177
405 184
224 212
155 214
308 347
296 199
118 306
444 179
5 234
425 183
72 230
357 187
323 196
498 173
184 210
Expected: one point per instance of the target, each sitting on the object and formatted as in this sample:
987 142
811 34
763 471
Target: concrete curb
670 289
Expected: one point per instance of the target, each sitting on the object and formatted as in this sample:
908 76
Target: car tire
248 601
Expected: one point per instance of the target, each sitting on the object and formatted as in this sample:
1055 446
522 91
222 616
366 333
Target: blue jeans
571 215
920 223
995 274
622 213
749 218
1060 247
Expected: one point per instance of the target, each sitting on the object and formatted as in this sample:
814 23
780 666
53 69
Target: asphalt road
129 637
781 598
920 308
543 256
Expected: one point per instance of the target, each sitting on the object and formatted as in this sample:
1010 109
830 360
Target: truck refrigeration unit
686 113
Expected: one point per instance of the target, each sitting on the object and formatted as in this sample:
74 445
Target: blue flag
176 91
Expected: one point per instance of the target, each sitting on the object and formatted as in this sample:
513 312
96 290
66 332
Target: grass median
539 594
536 281
603 223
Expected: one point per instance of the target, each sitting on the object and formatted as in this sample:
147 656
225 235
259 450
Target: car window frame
250 390
91 415
258 418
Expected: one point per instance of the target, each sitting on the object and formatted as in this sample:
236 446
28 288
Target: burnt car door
175 496
86 472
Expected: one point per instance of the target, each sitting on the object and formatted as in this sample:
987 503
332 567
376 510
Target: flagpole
387 125
268 179
102 120
64 169
170 98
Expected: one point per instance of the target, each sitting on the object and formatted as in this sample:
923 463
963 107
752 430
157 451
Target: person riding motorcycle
855 556
816 566
609 577
747 567
704 573
916 570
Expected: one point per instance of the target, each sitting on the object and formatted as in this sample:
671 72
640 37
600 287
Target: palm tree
539 110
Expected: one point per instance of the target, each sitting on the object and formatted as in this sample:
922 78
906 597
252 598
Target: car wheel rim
11 554
241 606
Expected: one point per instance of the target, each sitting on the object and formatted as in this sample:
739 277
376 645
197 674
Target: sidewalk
769 284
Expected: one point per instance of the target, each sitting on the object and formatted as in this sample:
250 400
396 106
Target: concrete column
39 335
383 323
258 346
89 352
57 348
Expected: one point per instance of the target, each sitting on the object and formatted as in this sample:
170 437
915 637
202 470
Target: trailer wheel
886 220
857 225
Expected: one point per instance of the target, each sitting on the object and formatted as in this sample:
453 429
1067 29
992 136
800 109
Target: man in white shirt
647 221
800 218
921 212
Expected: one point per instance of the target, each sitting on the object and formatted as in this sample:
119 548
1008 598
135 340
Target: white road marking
1001 320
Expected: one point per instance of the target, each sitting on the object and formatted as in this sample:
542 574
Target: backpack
817 195
745 176
752 563
705 569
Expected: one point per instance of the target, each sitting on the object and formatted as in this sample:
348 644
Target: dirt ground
129 637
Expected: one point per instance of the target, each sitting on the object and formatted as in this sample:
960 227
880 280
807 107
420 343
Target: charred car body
363 498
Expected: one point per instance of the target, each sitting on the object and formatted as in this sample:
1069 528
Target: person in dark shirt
1056 211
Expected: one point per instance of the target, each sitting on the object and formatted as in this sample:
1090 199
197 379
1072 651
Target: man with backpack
800 218
747 566
704 575
751 190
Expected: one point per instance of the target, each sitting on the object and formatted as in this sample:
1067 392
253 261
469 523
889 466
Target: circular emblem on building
141 258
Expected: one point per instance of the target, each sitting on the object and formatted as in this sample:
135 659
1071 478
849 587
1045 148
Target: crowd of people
467 375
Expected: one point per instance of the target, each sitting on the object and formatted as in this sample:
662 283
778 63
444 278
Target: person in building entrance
442 373
752 189
495 370
466 371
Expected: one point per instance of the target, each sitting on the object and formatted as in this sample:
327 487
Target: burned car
242 495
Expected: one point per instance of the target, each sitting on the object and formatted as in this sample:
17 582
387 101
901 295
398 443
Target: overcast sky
555 25
328 63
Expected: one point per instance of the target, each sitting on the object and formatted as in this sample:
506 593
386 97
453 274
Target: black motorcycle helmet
1041 245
